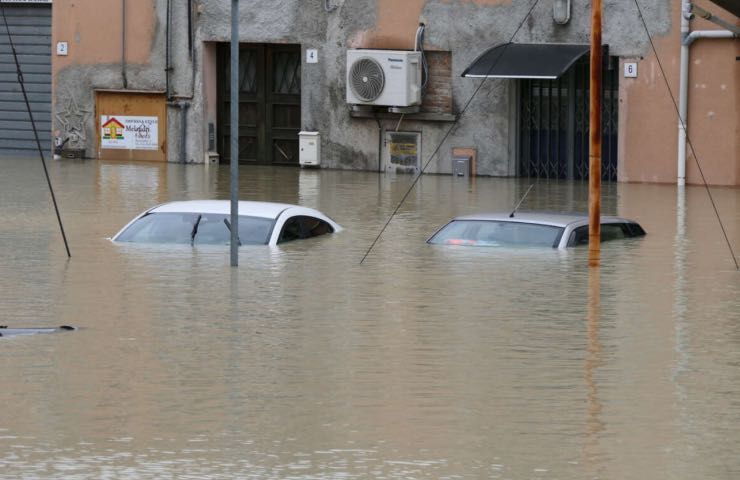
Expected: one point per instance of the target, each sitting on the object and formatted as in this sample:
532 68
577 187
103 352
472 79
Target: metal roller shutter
30 29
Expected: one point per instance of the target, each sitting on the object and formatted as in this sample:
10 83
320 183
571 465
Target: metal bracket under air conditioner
404 110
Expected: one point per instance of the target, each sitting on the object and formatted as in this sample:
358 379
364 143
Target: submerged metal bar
234 133
35 132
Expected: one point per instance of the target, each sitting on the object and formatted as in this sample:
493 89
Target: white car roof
554 219
251 209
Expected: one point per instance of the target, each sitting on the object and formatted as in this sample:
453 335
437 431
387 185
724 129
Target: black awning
732 6
526 60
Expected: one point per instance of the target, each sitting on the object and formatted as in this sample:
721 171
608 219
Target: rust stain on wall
396 27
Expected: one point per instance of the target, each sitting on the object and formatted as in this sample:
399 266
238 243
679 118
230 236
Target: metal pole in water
594 175
234 133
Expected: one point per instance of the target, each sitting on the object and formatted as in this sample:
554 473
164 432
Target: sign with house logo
127 132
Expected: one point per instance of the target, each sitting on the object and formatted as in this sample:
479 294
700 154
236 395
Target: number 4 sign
312 55
630 70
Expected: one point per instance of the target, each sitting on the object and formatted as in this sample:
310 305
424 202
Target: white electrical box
309 144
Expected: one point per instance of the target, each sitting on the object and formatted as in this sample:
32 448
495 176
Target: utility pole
594 172
234 227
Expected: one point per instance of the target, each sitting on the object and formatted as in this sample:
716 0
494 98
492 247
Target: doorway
554 124
269 103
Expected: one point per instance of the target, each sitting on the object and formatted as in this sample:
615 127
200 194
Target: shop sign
130 133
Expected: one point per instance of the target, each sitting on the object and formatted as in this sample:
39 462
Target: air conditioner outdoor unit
389 78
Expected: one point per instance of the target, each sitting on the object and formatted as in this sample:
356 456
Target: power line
449 130
35 133
688 139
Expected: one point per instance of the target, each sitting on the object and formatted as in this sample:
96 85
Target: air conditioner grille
366 79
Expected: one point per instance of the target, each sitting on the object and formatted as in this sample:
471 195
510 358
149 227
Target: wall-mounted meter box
309 144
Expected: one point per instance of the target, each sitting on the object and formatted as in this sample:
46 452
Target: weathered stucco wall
463 27
648 117
94 32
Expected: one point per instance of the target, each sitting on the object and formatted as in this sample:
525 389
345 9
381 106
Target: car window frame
555 243
629 228
300 218
151 212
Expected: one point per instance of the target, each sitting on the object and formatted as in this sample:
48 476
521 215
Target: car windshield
490 233
196 228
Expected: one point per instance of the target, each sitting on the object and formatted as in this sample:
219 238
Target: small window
613 231
301 227
609 231
578 237
291 230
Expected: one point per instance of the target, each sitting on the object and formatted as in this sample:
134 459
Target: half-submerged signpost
234 99
594 172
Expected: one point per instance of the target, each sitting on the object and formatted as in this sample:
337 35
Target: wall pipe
123 44
695 10
184 132
688 38
167 66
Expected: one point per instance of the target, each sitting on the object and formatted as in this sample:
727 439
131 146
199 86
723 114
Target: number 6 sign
630 70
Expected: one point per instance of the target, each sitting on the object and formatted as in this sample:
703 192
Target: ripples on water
424 362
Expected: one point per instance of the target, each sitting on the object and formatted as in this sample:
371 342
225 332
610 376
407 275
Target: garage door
30 30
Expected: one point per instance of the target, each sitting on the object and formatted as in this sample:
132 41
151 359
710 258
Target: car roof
555 219
253 209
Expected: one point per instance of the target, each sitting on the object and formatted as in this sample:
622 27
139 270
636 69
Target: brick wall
438 95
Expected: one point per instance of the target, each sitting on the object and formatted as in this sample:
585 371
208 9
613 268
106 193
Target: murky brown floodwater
424 362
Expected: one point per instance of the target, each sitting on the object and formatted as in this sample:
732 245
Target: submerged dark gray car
536 229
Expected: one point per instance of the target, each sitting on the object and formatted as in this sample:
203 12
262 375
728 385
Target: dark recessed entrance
554 124
269 103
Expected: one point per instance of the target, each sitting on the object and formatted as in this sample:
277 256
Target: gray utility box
309 146
461 166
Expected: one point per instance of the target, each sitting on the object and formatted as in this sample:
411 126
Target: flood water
422 362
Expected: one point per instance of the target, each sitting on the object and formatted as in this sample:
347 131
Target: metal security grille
554 124
30 29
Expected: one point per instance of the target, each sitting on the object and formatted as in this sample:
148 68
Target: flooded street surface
423 362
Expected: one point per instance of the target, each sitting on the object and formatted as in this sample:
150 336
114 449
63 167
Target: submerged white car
207 222
535 229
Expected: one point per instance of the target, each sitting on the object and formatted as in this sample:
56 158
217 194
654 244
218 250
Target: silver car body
568 221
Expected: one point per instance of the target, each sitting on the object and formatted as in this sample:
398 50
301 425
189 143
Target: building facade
168 61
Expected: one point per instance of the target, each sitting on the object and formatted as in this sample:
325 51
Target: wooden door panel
269 103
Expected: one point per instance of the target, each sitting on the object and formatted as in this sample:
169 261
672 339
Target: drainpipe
167 66
687 38
123 45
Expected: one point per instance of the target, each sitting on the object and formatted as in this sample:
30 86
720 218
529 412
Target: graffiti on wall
72 120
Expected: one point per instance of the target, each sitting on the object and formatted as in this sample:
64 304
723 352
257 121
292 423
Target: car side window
635 230
609 231
292 230
614 231
303 227
314 227
579 236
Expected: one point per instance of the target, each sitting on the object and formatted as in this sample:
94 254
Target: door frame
264 132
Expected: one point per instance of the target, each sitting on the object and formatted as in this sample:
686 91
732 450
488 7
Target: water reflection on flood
424 362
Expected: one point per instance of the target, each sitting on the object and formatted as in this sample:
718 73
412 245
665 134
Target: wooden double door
269 103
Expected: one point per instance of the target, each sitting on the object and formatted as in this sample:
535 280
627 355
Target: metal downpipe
687 38
683 95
